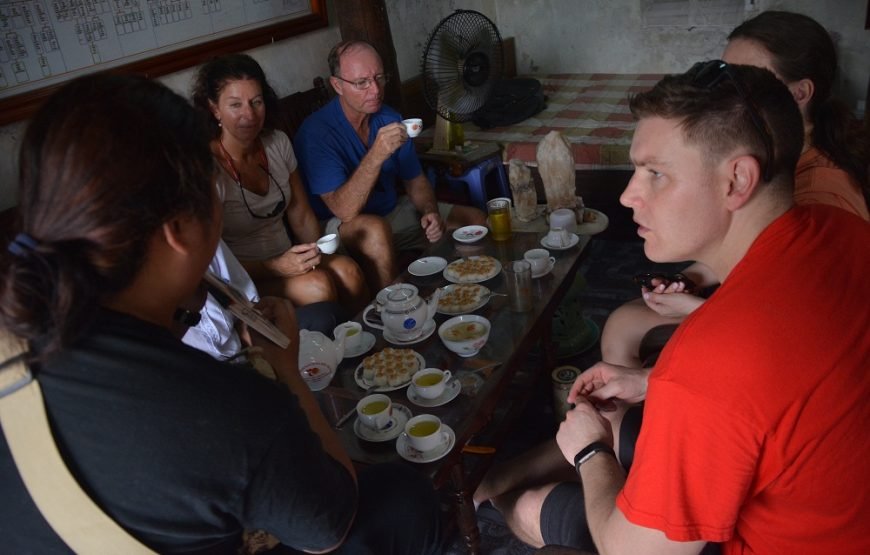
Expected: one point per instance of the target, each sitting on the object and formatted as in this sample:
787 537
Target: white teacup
429 383
375 411
424 432
558 237
564 217
413 126
539 260
328 244
352 335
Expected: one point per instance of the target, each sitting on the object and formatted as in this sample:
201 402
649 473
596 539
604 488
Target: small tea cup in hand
429 383
374 411
424 432
328 244
413 126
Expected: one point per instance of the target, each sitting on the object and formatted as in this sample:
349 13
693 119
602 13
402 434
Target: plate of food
594 221
470 233
462 298
388 369
472 269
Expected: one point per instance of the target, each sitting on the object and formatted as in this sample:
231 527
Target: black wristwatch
589 451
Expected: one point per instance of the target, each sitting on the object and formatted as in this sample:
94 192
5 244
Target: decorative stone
523 190
556 165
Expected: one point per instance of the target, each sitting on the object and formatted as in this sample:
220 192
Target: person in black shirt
120 219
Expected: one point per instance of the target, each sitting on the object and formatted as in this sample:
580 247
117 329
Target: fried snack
471 269
390 367
461 298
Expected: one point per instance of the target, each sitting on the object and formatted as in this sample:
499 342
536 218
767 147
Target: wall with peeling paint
567 36
609 36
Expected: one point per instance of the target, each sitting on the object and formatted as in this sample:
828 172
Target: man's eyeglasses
279 208
711 73
363 84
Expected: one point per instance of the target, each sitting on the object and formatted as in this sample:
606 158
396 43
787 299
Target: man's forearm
349 199
421 195
602 478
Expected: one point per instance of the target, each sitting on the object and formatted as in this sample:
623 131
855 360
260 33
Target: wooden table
485 377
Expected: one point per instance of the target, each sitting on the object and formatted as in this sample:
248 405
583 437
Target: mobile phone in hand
646 280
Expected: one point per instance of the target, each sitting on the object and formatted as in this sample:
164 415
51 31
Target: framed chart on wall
47 42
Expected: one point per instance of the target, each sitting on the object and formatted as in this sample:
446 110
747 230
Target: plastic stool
475 179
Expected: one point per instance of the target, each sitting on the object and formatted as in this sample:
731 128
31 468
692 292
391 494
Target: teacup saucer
366 342
428 330
545 271
451 390
403 447
401 415
573 239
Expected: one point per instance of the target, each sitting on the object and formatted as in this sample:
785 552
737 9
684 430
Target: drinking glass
499 218
518 276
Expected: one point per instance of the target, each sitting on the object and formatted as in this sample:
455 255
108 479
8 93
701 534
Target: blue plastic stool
475 179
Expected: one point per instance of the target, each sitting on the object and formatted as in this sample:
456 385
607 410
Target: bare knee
465 215
522 512
313 287
368 234
347 272
620 338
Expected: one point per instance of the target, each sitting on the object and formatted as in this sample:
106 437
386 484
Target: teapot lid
385 292
402 298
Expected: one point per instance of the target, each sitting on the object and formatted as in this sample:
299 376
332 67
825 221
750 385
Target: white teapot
319 357
403 312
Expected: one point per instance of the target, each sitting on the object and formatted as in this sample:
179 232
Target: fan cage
462 62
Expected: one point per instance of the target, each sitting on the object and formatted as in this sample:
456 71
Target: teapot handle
368 322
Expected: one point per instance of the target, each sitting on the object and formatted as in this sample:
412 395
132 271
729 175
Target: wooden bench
294 108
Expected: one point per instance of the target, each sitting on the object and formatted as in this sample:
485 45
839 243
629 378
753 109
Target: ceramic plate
360 381
366 342
492 273
572 240
427 266
428 330
484 298
470 233
545 271
410 454
451 390
591 228
400 417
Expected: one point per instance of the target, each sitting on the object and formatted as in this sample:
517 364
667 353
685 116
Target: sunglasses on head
709 74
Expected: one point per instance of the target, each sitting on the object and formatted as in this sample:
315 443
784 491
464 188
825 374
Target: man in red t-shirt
754 427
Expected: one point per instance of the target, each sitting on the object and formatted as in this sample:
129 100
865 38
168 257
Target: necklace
264 165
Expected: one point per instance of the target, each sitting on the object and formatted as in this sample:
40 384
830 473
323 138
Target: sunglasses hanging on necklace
264 165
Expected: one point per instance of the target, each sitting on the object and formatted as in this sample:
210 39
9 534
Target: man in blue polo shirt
351 152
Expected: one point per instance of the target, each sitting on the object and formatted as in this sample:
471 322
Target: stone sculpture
523 190
556 165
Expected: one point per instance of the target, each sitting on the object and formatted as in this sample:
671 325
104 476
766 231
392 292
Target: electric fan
462 62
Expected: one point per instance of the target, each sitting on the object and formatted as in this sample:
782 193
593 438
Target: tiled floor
607 270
